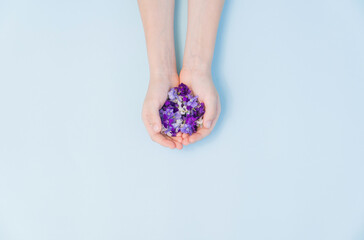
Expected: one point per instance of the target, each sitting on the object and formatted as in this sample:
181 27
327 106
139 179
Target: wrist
162 59
163 75
162 66
197 64
160 71
196 68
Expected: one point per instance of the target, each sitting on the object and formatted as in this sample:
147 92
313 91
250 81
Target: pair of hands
201 84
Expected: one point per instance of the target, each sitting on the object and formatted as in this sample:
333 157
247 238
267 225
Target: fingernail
156 128
208 124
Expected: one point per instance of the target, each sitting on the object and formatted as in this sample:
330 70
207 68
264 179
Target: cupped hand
159 86
201 84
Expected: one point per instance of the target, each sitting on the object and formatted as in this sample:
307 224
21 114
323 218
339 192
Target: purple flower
193 102
182 112
183 90
172 94
187 129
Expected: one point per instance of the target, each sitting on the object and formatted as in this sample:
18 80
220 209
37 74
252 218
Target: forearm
203 21
157 17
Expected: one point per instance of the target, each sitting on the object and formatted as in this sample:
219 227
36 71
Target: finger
185 135
185 141
203 132
164 141
153 125
177 139
179 145
151 119
200 134
211 113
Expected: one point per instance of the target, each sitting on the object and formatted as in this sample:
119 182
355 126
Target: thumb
152 120
210 114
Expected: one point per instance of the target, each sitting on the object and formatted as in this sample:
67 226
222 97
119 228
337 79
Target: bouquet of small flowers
182 112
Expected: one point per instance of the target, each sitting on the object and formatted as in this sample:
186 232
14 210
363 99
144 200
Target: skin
203 20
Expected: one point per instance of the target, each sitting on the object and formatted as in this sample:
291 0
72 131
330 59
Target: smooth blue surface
285 162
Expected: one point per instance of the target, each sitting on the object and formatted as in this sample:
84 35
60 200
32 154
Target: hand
159 86
201 84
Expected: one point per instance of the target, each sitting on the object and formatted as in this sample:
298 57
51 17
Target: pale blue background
285 162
